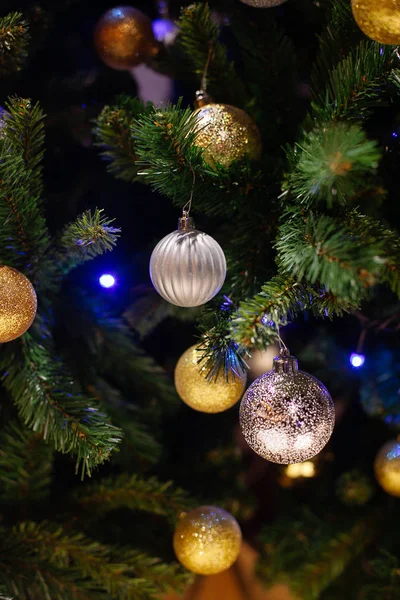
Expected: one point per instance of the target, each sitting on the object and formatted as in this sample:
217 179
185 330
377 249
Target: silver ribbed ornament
287 416
263 3
187 267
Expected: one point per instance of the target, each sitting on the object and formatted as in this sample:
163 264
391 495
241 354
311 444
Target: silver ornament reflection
287 416
187 267
263 3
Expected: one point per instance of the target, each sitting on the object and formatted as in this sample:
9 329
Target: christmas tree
278 152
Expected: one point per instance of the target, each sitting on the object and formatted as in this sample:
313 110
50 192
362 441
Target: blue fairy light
357 360
107 281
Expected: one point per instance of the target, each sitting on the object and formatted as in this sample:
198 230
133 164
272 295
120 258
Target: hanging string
284 350
205 71
188 206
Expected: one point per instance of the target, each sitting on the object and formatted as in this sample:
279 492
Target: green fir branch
113 135
199 39
135 493
23 131
320 249
48 403
14 41
357 85
90 235
331 165
25 466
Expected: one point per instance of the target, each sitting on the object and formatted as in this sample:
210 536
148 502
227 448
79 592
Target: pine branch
331 165
25 466
357 84
383 577
90 235
47 403
319 249
14 41
199 39
135 493
24 237
113 134
23 131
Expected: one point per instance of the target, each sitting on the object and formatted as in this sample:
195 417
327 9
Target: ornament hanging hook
188 206
205 71
284 350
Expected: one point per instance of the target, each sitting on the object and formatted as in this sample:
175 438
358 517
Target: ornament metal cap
202 98
185 223
285 363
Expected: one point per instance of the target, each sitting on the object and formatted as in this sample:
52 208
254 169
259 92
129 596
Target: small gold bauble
387 468
199 393
226 133
207 540
17 304
124 38
378 19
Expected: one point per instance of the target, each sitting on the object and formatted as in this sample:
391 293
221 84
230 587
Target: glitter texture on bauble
207 540
17 304
378 19
287 416
226 133
203 395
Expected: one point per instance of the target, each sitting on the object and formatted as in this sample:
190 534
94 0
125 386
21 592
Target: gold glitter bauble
378 19
263 3
124 38
226 133
387 468
207 540
200 394
17 304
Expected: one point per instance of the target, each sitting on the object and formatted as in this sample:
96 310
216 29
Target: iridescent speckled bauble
207 540
187 267
225 133
199 393
263 3
378 19
287 416
387 467
124 38
17 304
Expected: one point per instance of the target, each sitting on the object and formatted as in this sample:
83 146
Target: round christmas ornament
17 304
287 416
263 3
354 488
378 19
226 133
207 540
124 38
187 267
200 394
387 468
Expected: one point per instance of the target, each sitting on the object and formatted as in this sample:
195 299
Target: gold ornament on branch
387 468
225 133
378 19
18 304
203 395
124 38
207 540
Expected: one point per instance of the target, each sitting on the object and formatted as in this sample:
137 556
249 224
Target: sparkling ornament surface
18 304
207 540
263 3
378 19
287 416
124 38
200 394
188 267
387 468
226 133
